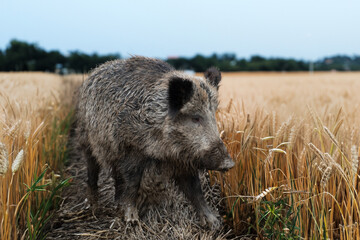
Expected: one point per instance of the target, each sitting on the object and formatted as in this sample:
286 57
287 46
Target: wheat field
35 112
295 140
294 136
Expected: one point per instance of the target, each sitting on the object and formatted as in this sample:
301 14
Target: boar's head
191 126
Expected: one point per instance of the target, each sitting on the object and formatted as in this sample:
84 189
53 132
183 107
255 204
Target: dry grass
295 139
31 104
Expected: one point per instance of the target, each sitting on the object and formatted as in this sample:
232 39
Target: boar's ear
180 91
213 76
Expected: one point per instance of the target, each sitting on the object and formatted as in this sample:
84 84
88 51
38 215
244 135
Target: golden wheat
29 103
302 133
4 161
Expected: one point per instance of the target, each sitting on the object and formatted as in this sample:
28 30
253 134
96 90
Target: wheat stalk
4 159
17 162
269 156
222 134
281 130
27 129
274 121
300 165
229 105
307 133
292 135
326 176
317 152
313 115
332 137
264 193
354 162
11 131
352 137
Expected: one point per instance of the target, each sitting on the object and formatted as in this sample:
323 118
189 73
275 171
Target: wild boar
139 113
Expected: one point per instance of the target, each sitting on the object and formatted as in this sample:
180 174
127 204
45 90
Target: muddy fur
149 123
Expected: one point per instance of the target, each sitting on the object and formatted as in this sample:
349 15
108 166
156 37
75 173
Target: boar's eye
196 119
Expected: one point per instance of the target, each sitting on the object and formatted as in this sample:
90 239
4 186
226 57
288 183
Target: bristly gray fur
140 114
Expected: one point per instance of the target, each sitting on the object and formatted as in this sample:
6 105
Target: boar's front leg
190 184
127 176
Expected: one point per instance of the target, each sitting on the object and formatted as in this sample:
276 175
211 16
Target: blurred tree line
229 62
23 56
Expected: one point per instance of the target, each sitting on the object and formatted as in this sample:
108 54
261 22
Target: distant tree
21 56
79 62
229 62
82 63
241 65
180 63
228 57
257 58
49 60
2 59
355 63
199 63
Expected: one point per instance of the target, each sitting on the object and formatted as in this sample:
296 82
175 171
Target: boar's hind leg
93 169
190 185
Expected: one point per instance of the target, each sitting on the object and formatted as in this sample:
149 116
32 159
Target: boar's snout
218 158
227 164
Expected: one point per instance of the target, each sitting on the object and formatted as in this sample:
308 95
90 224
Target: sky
301 29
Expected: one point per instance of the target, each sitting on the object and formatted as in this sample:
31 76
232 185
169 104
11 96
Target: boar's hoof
210 221
92 197
92 204
131 215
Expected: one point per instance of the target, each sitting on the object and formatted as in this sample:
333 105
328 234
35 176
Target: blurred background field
291 93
